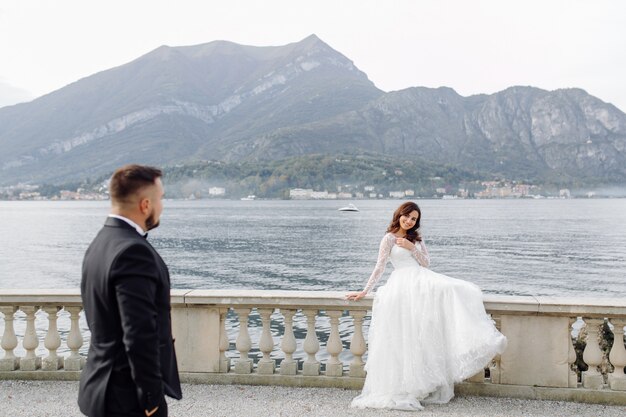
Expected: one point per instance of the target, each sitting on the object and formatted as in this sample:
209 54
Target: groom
125 289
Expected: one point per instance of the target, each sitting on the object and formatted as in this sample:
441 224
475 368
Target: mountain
236 103
520 133
177 104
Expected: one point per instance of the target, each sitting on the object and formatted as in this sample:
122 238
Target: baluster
288 366
571 358
9 361
592 355
31 361
617 379
266 364
52 342
243 365
311 366
334 367
224 343
74 362
494 368
357 345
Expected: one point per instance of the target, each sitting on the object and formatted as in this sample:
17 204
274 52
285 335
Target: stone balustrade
313 338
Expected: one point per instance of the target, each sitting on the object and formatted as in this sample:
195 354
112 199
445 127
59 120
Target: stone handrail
540 351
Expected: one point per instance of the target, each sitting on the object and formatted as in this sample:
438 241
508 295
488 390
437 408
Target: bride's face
408 221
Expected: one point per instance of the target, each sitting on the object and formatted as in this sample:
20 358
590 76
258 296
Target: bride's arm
383 256
420 253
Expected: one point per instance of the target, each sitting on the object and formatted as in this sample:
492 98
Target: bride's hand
404 243
355 296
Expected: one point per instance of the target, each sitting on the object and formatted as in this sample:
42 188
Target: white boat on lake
349 207
248 198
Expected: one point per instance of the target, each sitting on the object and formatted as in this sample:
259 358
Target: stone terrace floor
58 398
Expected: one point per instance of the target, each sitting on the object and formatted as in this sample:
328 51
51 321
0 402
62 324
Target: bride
428 330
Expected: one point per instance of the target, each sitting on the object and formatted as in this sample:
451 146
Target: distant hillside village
490 190
44 193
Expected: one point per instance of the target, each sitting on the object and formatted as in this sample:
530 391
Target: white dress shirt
132 223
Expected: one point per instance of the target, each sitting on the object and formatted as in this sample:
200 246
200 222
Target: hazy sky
471 46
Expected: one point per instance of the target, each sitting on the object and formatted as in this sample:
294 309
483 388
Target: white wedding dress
427 332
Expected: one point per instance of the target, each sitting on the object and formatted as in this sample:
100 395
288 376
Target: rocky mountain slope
521 133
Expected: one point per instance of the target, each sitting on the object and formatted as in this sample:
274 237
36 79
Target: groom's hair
128 180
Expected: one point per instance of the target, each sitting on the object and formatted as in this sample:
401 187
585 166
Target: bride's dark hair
405 209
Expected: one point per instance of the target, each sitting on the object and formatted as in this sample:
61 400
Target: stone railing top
62 297
280 299
499 304
556 306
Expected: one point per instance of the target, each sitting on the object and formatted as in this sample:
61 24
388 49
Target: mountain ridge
224 101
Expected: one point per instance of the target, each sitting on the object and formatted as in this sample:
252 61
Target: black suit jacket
125 289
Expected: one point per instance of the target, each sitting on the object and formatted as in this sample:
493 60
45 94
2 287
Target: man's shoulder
115 241
131 254
129 241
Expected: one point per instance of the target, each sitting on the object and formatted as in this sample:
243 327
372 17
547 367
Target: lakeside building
217 191
300 193
80 194
319 195
29 195
309 194
495 189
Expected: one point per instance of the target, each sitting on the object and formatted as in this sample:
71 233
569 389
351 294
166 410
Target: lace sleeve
421 254
383 256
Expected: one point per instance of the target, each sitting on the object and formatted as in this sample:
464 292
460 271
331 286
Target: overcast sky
471 46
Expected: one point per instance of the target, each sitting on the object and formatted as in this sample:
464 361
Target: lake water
515 247
518 247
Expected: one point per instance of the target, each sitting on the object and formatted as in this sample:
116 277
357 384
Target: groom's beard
151 222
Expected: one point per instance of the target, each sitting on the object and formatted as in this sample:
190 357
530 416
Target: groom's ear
144 205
